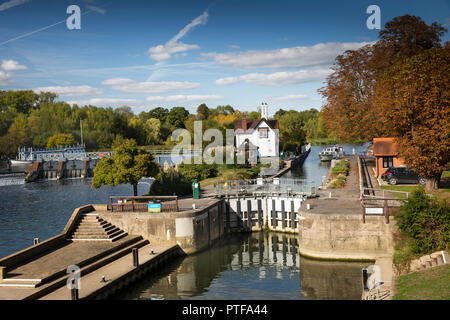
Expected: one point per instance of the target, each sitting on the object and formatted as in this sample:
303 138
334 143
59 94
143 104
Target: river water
242 266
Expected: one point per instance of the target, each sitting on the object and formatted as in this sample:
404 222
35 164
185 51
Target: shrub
197 171
425 223
170 183
341 167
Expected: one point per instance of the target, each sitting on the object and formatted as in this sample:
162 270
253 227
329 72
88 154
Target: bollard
135 258
36 241
74 293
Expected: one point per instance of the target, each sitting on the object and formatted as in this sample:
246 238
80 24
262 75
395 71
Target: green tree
203 112
152 128
60 139
177 116
426 222
128 164
291 129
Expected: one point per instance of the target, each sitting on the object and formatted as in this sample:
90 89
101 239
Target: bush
197 171
170 183
425 223
341 167
291 145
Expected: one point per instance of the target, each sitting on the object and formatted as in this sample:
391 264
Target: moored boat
330 153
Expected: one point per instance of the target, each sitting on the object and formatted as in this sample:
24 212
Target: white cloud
96 9
234 46
164 52
285 78
291 97
5 78
184 98
12 3
294 57
12 65
131 86
107 102
71 91
227 81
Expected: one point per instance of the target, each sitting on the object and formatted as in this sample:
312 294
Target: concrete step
116 233
112 231
59 279
20 283
90 236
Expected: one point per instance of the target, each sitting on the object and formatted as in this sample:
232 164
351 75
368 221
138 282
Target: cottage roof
248 124
384 147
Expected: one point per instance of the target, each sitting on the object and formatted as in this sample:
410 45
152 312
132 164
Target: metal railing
168 203
265 186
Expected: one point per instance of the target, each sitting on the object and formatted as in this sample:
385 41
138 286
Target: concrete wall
344 236
192 230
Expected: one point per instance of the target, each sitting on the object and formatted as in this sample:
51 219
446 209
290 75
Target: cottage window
263 133
388 162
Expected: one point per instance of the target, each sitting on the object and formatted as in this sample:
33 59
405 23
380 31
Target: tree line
37 120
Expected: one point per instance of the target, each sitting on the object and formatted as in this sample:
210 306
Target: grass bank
430 284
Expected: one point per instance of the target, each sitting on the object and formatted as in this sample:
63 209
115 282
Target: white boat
330 153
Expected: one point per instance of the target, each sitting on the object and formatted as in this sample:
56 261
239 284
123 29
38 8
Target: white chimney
264 113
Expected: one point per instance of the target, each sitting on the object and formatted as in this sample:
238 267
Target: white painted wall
268 147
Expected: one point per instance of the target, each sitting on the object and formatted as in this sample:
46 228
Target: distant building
257 136
386 154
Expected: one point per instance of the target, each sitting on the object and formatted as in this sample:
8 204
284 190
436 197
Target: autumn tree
60 139
350 111
415 97
128 164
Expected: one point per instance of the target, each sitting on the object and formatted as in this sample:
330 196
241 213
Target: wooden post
74 293
385 211
176 200
363 212
135 258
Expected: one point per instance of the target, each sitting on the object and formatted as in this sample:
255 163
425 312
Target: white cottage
257 134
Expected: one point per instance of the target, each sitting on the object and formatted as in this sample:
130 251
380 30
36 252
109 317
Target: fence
265 186
168 203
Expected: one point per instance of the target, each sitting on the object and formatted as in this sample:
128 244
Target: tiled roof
247 124
384 147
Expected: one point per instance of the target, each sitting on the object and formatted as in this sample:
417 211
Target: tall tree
60 139
177 116
349 110
128 164
203 112
415 97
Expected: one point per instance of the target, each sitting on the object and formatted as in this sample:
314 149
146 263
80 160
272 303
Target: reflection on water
42 209
258 266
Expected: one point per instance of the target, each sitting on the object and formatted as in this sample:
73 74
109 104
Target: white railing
266 186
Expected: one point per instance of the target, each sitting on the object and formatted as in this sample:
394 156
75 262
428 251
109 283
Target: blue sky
182 53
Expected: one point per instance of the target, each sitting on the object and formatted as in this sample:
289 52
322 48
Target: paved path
112 271
51 262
